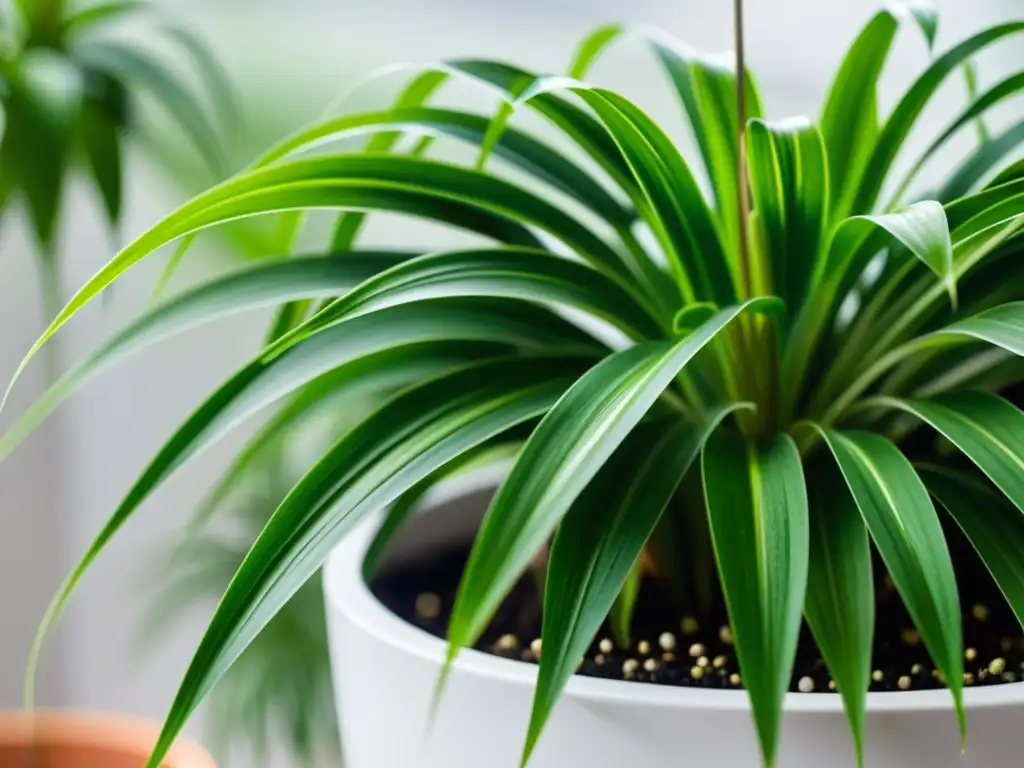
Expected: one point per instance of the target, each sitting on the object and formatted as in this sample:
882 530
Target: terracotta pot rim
96 729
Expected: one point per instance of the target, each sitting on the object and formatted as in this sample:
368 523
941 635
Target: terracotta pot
69 739
385 671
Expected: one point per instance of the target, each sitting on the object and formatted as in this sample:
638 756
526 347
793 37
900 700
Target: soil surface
671 649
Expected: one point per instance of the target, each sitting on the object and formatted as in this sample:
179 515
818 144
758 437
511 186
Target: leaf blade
757 506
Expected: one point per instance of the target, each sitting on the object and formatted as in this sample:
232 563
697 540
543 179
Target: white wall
293 57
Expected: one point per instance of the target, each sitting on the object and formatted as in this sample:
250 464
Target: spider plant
774 343
67 92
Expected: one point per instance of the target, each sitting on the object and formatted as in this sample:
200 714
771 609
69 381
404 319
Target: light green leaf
757 507
566 451
994 528
902 521
620 615
840 605
593 565
987 428
592 46
390 452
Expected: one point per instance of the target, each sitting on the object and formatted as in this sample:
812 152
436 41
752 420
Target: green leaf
789 182
42 109
983 160
523 151
390 452
521 273
987 428
706 86
994 528
849 121
840 605
592 46
974 112
127 63
213 74
902 521
757 507
565 452
671 201
261 286
921 228
499 450
909 108
594 558
370 352
103 149
447 193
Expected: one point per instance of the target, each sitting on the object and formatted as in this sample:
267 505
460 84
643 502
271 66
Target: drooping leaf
520 273
264 285
596 549
757 507
987 428
390 452
566 451
994 528
372 348
906 530
840 605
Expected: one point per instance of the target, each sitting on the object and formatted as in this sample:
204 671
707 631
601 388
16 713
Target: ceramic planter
55 739
385 671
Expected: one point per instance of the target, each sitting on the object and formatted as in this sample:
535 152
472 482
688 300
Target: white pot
385 671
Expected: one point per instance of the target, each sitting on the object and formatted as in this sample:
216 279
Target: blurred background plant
69 83
78 80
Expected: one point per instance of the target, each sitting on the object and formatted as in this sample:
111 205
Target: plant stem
741 146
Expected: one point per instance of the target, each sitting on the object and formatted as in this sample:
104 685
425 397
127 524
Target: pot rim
96 729
346 592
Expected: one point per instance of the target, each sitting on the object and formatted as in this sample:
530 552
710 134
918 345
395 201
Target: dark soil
669 649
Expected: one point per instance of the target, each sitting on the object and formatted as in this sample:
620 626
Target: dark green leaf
565 452
789 181
596 549
902 521
994 528
103 149
390 452
840 605
987 428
